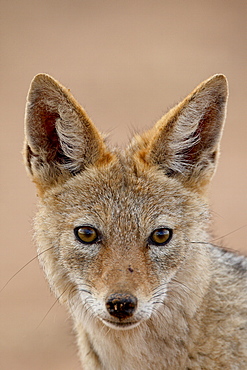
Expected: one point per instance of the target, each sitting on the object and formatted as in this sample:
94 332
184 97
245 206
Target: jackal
123 236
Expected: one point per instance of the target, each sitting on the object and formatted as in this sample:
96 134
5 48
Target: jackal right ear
60 139
184 144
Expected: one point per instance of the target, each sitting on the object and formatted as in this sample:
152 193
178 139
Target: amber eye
86 234
160 236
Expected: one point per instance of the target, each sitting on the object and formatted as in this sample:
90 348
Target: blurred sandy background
126 62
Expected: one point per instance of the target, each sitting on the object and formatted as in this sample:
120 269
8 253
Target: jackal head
120 232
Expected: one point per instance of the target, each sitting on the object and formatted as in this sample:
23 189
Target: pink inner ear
49 124
49 119
206 135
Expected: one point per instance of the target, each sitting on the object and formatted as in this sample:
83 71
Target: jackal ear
60 139
185 142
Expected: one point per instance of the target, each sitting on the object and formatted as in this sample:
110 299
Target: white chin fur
121 326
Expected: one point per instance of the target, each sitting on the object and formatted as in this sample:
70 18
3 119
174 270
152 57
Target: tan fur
137 304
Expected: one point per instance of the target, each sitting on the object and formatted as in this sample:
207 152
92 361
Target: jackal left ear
60 139
185 142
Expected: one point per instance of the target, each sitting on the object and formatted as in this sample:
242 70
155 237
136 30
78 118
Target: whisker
158 313
231 232
47 313
219 238
215 245
26 264
186 287
85 291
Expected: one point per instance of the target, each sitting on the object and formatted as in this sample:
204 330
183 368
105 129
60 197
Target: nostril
121 305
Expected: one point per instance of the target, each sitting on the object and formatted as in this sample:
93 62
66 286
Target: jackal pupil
160 236
86 234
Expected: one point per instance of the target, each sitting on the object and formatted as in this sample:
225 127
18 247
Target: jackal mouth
121 325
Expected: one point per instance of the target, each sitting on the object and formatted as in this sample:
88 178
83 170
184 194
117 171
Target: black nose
121 305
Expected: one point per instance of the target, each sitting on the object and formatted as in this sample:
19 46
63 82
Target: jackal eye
160 236
86 234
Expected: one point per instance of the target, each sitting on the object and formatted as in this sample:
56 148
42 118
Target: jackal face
114 228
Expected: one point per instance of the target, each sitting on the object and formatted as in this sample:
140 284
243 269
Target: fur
137 303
